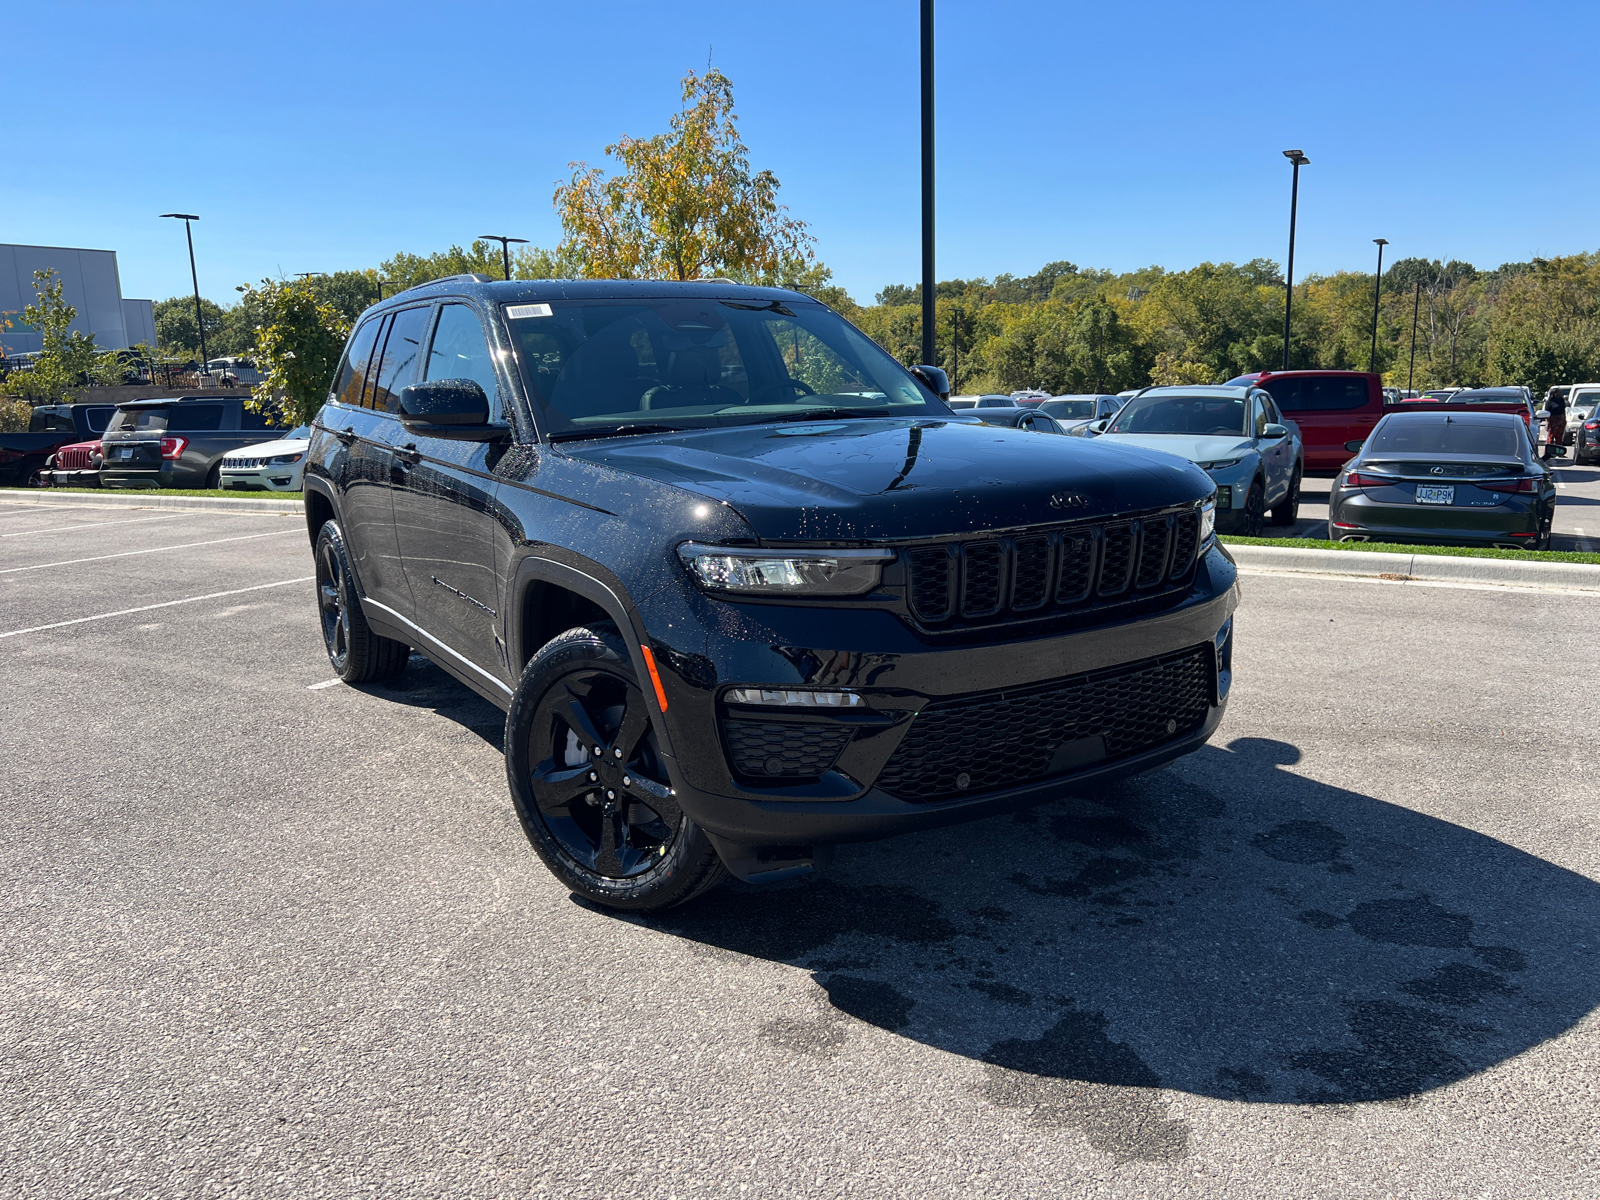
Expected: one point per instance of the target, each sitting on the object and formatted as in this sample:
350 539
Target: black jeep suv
743 584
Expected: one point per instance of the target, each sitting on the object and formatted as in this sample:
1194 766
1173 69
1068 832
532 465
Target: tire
580 721
1287 510
356 654
1254 511
214 477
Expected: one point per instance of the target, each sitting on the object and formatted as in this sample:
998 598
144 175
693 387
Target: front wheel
589 783
1254 510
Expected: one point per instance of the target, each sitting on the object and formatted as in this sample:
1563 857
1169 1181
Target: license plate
1435 495
125 453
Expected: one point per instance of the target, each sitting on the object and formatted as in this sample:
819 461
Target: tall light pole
1416 309
1377 291
505 244
1299 159
928 285
194 278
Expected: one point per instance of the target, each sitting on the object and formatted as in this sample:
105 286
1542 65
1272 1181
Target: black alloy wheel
1254 510
586 772
356 654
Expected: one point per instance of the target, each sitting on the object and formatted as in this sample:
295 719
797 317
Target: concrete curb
152 499
1428 567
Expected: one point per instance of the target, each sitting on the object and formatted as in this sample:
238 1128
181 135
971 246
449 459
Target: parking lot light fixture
194 278
1377 291
929 288
505 247
1416 310
1299 159
382 283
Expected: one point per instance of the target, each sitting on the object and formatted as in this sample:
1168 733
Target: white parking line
326 683
1329 577
70 562
164 604
89 525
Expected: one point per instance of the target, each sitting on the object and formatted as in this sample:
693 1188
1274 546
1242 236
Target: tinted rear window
1439 437
1311 394
49 421
138 420
194 418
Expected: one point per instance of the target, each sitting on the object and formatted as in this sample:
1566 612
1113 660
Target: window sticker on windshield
518 311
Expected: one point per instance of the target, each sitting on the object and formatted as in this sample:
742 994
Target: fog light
789 698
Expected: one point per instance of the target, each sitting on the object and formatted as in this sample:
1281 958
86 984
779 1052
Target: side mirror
1272 432
1556 451
938 382
447 408
1354 447
1100 425
1541 415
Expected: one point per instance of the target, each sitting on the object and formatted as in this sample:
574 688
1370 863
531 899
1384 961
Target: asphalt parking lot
266 937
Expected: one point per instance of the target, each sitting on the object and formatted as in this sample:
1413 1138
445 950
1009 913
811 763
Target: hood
1209 448
872 479
270 449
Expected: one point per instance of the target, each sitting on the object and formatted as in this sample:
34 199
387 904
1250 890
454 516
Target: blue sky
325 136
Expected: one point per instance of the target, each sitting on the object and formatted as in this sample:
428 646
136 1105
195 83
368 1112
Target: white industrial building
90 283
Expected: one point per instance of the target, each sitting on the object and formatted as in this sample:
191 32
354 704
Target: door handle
346 435
408 454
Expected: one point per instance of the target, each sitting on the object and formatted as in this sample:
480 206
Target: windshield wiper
600 431
822 414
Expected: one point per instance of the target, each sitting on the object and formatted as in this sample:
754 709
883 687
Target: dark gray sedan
1030 419
1448 479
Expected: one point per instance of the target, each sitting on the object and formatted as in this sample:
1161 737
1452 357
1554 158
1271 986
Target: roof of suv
518 290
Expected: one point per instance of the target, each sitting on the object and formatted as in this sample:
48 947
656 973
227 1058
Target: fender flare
594 587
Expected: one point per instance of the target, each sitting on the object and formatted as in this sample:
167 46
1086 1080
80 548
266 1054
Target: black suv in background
743 584
178 443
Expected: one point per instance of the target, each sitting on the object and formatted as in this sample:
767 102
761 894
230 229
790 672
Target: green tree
686 204
67 359
177 333
297 351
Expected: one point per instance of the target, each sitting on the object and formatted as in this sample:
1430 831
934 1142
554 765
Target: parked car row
194 442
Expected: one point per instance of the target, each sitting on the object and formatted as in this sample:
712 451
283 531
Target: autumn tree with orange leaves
685 204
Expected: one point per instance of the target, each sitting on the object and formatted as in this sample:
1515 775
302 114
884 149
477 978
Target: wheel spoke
557 789
606 860
633 726
330 598
657 797
574 713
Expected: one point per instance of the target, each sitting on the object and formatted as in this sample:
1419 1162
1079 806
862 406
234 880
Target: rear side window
269 418
1311 394
194 418
459 350
1441 437
96 418
402 349
355 374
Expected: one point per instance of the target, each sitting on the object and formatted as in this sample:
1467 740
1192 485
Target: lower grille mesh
1006 739
783 749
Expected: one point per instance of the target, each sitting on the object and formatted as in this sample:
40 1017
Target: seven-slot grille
243 464
1043 570
992 740
73 458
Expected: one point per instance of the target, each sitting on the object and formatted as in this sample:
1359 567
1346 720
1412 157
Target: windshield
689 363
1193 415
1585 398
1069 410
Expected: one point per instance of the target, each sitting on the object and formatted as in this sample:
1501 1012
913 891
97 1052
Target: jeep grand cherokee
743 584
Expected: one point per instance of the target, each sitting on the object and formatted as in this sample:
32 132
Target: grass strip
1561 556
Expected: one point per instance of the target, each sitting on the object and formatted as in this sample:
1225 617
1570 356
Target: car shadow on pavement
425 684
1221 927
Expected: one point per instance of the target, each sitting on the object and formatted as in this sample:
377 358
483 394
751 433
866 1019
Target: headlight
1208 522
784 573
286 458
1220 464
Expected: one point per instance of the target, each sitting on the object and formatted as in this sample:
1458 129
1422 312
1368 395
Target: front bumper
899 675
271 478
89 477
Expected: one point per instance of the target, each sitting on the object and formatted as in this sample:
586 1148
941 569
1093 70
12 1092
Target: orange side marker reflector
655 678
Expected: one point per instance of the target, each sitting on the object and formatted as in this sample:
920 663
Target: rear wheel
214 477
1287 510
589 783
356 654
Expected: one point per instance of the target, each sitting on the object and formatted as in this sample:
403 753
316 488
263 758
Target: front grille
992 740
243 464
783 749
73 458
993 579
